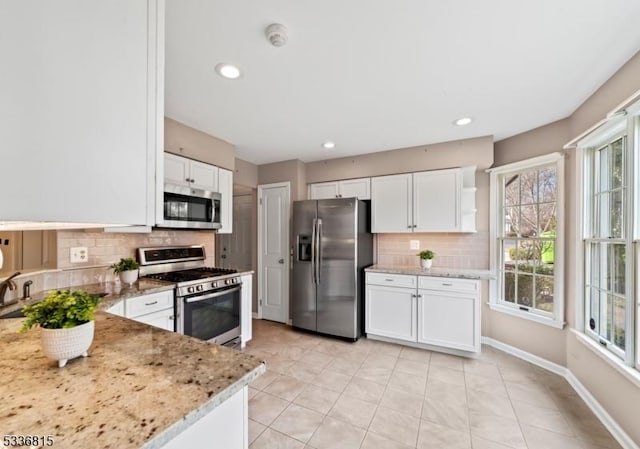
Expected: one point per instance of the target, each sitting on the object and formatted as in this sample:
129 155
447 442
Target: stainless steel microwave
186 207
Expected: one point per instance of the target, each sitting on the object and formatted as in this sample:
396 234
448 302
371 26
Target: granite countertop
139 387
433 271
115 292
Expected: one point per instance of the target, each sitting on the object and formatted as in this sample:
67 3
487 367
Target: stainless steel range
207 300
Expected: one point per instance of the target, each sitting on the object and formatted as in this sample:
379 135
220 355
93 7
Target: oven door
214 317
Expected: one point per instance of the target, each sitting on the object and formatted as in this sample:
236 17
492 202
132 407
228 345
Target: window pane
509 254
547 218
544 293
616 214
511 221
616 273
509 287
525 290
529 187
547 185
525 255
617 165
594 310
529 221
603 211
619 321
603 162
511 190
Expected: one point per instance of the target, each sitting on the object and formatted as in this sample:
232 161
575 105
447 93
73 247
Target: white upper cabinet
225 187
430 201
349 188
81 110
187 172
391 203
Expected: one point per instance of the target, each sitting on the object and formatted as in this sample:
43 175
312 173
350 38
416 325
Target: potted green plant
426 258
127 269
66 322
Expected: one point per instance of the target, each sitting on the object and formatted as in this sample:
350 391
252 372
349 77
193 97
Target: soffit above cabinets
378 75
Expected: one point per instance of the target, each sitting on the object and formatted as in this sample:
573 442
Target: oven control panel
208 286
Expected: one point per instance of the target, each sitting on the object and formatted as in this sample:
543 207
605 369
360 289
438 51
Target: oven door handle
213 295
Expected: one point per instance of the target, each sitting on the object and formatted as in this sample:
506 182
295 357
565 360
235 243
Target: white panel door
391 205
323 190
274 244
355 188
225 187
449 319
391 312
203 176
436 201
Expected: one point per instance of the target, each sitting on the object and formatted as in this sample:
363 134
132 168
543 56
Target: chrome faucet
7 283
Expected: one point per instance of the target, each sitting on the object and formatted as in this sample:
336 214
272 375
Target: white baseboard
612 426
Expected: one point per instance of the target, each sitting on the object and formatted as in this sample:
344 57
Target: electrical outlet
79 254
414 244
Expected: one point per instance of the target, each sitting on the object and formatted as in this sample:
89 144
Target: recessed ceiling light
328 145
227 70
463 121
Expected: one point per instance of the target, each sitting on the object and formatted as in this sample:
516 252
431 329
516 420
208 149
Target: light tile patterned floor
321 393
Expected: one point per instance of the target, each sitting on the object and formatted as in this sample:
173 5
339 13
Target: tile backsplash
106 248
453 250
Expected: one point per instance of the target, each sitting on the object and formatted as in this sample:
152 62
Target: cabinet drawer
448 284
141 305
396 280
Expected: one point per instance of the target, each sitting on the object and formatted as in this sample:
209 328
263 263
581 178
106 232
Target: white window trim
617 125
495 302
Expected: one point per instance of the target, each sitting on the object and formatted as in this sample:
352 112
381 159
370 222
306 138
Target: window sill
527 316
628 372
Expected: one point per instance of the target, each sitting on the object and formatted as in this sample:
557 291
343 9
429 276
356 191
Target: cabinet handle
150 303
419 296
172 317
446 284
409 226
188 180
389 280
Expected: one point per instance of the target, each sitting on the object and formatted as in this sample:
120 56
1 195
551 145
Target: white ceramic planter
129 277
66 344
426 263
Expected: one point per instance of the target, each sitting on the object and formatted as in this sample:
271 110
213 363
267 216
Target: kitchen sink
18 313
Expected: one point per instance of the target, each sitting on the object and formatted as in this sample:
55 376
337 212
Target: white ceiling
374 75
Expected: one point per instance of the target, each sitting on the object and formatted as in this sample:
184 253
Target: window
526 229
608 243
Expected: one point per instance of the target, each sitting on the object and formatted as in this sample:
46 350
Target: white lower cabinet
434 311
391 312
164 319
246 302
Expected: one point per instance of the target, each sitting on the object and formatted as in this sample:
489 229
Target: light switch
414 244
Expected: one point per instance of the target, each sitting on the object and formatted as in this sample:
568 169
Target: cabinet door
449 319
79 119
323 190
176 169
391 209
355 188
116 309
144 304
225 187
246 312
391 312
203 176
436 201
164 319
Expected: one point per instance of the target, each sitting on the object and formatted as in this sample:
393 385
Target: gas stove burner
192 274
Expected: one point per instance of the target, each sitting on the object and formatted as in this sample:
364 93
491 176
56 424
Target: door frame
261 187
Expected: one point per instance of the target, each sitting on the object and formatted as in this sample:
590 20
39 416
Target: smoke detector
277 34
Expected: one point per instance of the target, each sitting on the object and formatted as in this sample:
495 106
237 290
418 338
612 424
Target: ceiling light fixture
328 145
463 121
228 71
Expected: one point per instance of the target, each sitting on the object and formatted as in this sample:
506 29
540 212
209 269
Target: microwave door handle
213 295
313 253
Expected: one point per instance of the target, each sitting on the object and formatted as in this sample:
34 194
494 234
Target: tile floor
321 393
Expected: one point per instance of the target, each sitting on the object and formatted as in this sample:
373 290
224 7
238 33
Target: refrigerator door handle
318 251
313 252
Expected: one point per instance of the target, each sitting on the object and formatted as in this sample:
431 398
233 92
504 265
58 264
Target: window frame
586 178
496 206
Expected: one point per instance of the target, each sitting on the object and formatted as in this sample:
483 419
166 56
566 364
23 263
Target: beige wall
292 171
245 173
189 142
613 391
477 151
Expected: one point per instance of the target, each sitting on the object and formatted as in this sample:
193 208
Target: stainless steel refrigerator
333 244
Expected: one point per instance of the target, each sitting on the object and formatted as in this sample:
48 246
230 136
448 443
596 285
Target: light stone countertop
139 387
433 271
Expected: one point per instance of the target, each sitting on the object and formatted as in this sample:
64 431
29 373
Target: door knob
281 261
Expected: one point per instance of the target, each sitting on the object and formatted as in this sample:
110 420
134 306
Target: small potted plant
426 258
127 269
66 322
